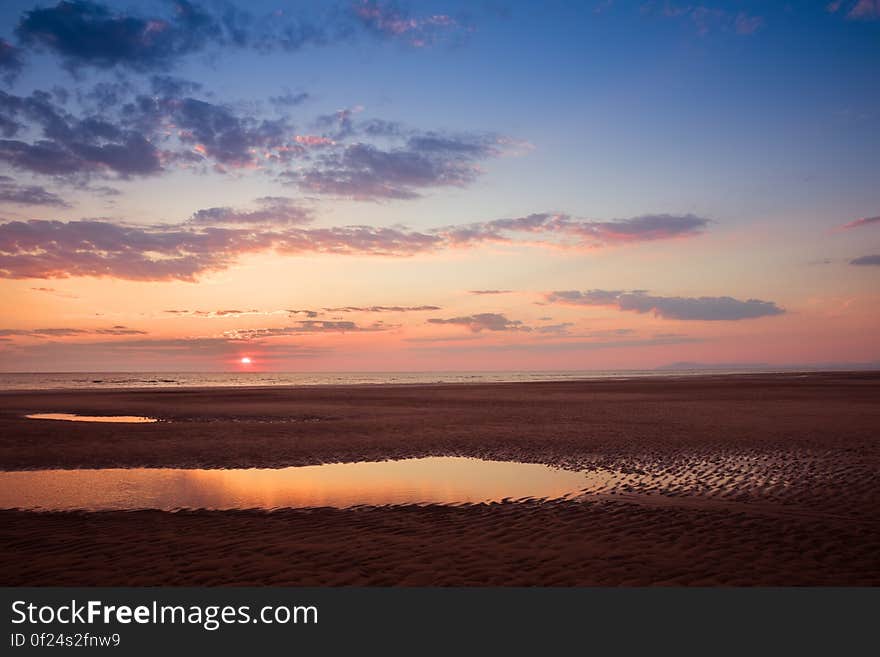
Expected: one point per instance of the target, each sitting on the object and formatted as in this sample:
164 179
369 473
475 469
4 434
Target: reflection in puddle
439 480
72 417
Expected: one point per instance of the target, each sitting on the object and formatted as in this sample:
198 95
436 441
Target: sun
245 360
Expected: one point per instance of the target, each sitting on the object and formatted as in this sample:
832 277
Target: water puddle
432 480
72 417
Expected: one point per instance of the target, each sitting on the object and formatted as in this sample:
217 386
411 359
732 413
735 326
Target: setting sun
245 361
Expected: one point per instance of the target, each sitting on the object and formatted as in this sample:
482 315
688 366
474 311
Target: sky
200 185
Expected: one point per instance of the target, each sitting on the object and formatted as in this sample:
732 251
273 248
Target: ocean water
107 380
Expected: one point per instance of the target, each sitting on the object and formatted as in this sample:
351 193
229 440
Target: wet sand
737 480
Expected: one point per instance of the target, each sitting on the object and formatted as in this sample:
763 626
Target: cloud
388 21
11 61
555 329
53 291
865 10
481 292
289 99
866 260
364 171
681 308
279 210
68 332
310 314
864 221
746 24
192 353
71 146
644 228
563 346
484 321
216 132
222 313
119 330
304 327
87 33
214 240
306 313
54 249
84 33
12 192
120 132
42 332
860 10
171 86
707 19
381 309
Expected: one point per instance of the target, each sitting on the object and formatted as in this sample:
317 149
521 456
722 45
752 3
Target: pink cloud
215 238
864 221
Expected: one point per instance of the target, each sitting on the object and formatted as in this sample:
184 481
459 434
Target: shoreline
637 376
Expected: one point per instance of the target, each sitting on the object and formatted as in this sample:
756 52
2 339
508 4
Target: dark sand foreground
739 480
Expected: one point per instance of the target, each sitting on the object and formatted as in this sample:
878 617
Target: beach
748 479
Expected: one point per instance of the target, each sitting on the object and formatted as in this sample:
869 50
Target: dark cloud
54 249
864 221
305 313
12 192
102 96
866 260
304 327
381 128
339 124
120 132
42 332
11 61
91 34
484 321
217 237
67 332
490 291
583 232
169 85
70 146
289 99
682 308
194 131
364 171
278 210
87 33
218 133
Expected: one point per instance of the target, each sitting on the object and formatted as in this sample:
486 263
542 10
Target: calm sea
64 380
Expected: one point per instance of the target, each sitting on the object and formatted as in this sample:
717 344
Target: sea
108 380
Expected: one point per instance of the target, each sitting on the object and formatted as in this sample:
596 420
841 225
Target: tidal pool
431 480
72 417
